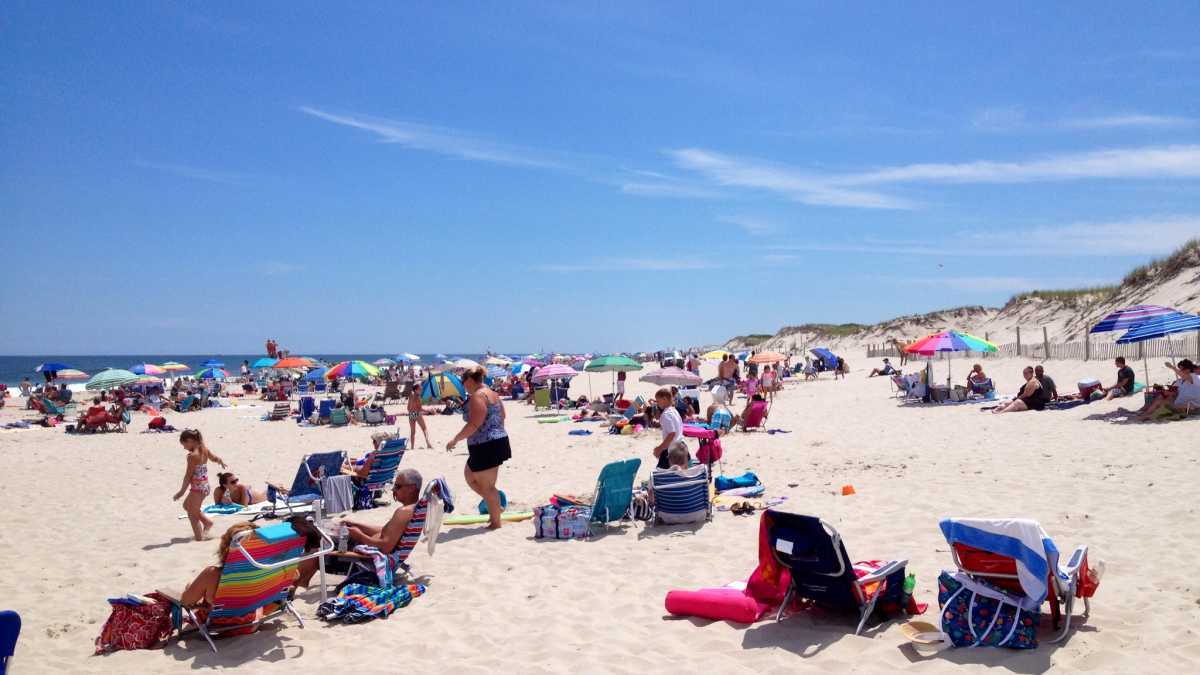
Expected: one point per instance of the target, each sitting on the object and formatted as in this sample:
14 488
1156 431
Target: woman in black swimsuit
1031 396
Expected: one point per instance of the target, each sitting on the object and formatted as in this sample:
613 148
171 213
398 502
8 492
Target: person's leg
425 430
412 433
191 505
485 486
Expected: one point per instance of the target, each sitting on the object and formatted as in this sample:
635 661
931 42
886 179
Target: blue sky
193 177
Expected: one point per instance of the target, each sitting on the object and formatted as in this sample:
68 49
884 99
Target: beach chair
614 491
59 410
339 417
391 391
259 573
384 463
10 630
188 404
320 388
541 398
306 486
821 572
1018 556
323 410
308 406
681 496
756 418
281 411
373 416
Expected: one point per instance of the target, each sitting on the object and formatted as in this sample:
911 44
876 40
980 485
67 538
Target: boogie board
471 519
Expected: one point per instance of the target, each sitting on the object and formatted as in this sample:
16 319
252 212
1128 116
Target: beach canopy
1159 326
147 369
212 363
316 374
265 362
767 357
212 374
554 371
294 362
1130 317
613 363
949 341
72 374
107 379
671 377
407 356
716 355
441 385
175 366
352 369
51 367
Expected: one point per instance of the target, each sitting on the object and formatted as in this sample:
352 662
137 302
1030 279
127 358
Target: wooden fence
1177 346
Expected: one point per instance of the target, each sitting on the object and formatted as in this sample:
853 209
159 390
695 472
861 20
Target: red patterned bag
136 626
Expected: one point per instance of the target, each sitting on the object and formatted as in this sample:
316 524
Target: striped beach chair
681 496
281 411
384 463
256 584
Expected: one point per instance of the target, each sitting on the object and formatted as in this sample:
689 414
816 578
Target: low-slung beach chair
323 410
188 404
373 416
281 411
756 418
10 630
541 398
384 463
308 406
821 572
1018 556
339 417
614 491
306 486
681 496
259 573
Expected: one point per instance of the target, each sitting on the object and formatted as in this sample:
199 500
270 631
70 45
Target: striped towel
357 602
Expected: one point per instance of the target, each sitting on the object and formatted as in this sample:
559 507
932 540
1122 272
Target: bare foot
494 526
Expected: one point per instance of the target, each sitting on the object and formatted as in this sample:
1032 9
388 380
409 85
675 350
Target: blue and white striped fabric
1021 539
1130 317
681 496
1161 326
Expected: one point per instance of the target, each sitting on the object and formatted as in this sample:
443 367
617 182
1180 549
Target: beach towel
579 432
222 509
357 602
1021 539
338 492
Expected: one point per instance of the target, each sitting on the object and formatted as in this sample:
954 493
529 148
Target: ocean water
13 368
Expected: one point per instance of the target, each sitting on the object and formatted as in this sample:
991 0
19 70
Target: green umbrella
107 379
613 363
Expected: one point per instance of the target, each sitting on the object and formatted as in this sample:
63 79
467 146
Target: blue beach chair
384 463
306 486
614 491
10 628
681 496
323 411
308 405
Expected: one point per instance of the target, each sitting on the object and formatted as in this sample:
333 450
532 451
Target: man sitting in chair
406 491
887 369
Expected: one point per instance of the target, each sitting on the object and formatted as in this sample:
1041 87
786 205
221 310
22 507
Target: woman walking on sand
195 481
487 441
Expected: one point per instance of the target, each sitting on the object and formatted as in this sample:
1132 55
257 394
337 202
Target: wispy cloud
439 140
1126 121
1008 118
668 189
752 225
680 264
998 283
274 268
197 173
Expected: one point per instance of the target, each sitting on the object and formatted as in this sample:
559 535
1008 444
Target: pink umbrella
554 371
672 377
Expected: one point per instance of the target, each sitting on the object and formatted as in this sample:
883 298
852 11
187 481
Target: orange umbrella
293 362
767 357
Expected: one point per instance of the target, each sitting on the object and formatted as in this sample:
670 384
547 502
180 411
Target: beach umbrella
72 374
212 363
441 385
212 374
520 368
383 362
613 363
407 356
107 379
265 362
352 369
716 355
767 357
440 355
147 379
463 364
51 367
1130 317
295 362
1159 326
949 341
316 374
175 367
671 377
496 371
147 369
498 361
554 371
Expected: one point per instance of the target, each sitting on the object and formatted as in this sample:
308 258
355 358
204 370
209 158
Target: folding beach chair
308 405
757 417
325 407
10 629
306 486
384 463
259 573
373 416
541 398
681 496
821 572
188 404
339 417
280 412
1018 556
614 491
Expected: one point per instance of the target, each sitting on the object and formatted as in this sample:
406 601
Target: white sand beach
83 518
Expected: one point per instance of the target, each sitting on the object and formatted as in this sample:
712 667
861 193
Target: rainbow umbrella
352 369
212 374
554 371
949 341
147 369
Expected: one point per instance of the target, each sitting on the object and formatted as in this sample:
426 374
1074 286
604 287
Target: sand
87 517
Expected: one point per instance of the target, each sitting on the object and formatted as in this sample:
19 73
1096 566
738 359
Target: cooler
1086 387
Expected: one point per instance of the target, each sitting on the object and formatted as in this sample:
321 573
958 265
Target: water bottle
343 538
910 583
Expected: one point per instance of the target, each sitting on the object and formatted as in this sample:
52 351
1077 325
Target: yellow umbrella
716 355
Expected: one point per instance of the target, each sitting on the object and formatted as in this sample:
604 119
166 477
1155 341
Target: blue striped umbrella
1161 326
1130 317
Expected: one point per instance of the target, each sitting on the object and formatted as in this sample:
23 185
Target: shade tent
441 385
828 359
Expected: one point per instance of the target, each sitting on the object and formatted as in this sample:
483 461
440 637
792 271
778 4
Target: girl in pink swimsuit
195 481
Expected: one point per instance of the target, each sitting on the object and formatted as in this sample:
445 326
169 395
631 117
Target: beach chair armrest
883 572
327 547
1071 569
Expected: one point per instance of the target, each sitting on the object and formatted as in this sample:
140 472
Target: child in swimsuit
195 481
416 417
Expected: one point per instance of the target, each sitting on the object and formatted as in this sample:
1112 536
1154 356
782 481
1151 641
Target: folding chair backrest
245 587
384 463
541 398
10 629
312 469
339 417
757 414
681 496
325 408
281 410
307 406
813 553
614 490
999 570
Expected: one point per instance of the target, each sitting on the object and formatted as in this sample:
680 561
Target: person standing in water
195 481
487 441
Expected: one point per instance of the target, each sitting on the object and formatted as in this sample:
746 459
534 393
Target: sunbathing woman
195 481
230 490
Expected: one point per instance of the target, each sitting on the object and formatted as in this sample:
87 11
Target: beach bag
570 522
639 506
710 451
975 614
136 626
